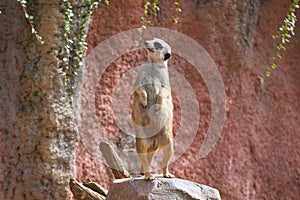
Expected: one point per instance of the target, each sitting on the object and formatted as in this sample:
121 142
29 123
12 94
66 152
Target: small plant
150 13
29 17
284 34
178 10
75 44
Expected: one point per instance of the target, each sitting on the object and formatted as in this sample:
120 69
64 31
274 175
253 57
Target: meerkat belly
153 119
154 142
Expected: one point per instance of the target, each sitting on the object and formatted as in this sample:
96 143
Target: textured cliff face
258 153
37 124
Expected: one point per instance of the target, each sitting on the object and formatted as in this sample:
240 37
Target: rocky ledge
160 189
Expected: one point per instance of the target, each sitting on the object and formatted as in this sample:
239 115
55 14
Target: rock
160 189
82 192
95 187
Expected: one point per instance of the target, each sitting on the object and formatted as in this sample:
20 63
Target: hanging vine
30 18
284 34
150 14
178 10
151 11
75 44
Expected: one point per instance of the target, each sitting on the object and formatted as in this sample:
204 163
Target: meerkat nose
167 56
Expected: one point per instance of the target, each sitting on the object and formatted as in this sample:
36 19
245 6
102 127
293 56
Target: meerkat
153 108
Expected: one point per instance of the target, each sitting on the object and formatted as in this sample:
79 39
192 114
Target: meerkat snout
167 56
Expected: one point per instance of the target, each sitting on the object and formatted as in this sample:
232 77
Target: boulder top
160 189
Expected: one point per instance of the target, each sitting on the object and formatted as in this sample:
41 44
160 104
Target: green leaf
178 10
274 66
268 73
176 20
278 54
176 3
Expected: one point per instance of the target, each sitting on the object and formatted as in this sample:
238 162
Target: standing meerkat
153 108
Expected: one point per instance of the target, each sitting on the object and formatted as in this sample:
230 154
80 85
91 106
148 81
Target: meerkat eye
157 45
167 56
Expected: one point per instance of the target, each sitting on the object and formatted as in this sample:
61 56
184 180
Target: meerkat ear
167 56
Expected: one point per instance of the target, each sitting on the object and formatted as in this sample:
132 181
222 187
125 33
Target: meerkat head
158 50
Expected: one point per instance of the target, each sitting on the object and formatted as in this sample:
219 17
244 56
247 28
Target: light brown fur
153 109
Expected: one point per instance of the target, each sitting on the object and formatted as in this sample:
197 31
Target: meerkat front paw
143 102
142 97
159 98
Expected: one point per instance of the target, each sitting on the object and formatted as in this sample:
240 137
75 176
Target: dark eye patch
157 45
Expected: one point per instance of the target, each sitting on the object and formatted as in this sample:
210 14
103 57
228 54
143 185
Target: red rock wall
258 153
